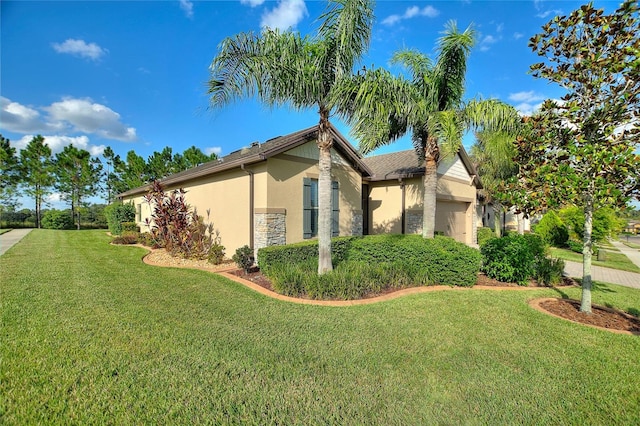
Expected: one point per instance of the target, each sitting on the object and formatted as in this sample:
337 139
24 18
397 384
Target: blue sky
132 75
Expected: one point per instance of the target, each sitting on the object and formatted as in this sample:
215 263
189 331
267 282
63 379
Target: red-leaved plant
179 229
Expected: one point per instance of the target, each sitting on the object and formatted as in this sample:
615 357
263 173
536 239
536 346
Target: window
138 212
310 208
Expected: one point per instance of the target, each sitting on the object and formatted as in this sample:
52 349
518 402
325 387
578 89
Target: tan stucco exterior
455 210
278 187
255 196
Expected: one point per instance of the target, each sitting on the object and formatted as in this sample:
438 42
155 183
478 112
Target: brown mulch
601 317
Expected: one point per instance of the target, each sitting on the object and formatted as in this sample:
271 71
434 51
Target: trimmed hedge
117 213
365 265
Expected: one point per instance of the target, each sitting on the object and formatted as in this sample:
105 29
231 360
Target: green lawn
614 260
91 335
630 245
4 231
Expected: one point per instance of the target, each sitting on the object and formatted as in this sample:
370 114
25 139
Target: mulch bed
600 316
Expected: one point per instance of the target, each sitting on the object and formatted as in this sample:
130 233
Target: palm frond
346 27
492 115
448 79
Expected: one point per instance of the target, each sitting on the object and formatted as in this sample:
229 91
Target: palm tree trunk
325 141
432 152
585 304
497 219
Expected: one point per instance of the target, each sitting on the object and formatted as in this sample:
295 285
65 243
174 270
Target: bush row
365 265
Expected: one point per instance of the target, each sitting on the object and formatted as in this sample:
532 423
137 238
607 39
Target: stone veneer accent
413 221
269 228
356 223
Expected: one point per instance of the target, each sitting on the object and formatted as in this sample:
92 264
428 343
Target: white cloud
529 96
518 36
213 150
548 13
66 116
527 109
18 118
285 15
57 143
252 3
80 48
500 27
88 117
187 7
487 41
411 12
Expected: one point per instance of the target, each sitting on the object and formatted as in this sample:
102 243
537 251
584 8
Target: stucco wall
285 186
455 210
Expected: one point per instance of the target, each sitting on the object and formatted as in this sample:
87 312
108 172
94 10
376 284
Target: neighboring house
267 194
509 220
632 227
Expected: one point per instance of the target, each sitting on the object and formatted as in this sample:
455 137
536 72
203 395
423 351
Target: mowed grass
91 335
614 260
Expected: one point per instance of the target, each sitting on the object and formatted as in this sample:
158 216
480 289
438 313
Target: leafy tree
193 157
111 175
606 223
9 176
382 108
77 177
132 173
160 164
286 68
552 229
581 149
36 175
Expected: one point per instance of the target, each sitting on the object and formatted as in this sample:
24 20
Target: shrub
145 238
365 265
485 234
118 213
549 271
57 219
127 237
130 227
552 230
578 247
244 258
216 254
300 252
512 258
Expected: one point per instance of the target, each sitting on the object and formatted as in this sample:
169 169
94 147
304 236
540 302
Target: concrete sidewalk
632 254
604 275
9 239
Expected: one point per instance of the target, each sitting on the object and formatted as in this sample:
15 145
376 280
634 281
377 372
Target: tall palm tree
382 107
286 68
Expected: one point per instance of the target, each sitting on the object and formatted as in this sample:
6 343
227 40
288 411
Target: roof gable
405 164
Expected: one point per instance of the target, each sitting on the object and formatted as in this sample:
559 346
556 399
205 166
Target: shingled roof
405 165
258 152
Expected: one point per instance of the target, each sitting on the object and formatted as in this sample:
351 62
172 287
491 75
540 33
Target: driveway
9 239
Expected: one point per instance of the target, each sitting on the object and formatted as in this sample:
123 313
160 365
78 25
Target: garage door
451 219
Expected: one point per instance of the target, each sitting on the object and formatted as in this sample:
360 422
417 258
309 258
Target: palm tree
493 155
382 108
286 68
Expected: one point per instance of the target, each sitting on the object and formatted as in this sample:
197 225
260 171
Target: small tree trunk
585 305
324 196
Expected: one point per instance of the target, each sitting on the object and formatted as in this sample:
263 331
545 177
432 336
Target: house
632 227
266 194
394 203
